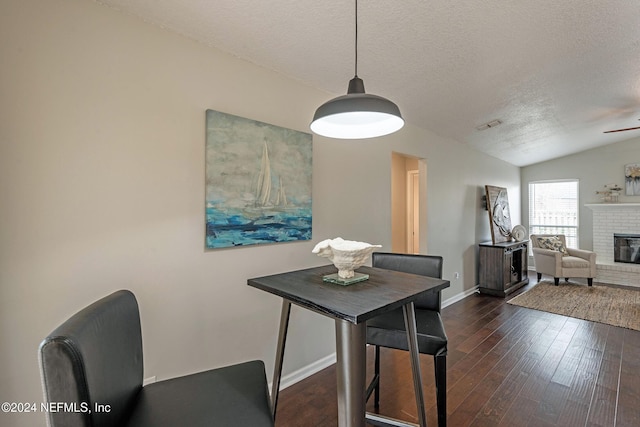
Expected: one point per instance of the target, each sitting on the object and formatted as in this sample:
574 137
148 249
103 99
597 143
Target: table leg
282 339
351 372
410 325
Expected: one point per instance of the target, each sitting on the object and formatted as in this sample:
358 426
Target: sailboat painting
258 182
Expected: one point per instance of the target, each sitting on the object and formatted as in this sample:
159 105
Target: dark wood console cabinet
502 267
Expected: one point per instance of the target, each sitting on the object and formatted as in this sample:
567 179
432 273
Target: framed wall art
499 214
632 179
258 182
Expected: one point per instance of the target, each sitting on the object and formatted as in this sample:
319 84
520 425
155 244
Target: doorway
413 211
408 186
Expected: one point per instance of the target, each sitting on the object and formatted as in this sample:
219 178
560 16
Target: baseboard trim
306 371
459 297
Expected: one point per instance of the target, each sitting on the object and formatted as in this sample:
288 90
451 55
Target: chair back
95 357
424 265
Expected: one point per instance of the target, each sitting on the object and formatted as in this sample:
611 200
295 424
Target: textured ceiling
556 73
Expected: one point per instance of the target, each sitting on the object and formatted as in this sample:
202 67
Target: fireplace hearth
626 248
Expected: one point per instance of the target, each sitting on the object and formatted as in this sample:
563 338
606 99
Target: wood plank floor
506 366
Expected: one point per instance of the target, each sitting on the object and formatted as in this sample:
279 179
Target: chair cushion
574 262
552 242
388 330
232 396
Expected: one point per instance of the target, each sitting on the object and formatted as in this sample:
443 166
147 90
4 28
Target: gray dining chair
92 363
388 329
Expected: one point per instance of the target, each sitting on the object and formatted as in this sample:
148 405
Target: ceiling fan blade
621 130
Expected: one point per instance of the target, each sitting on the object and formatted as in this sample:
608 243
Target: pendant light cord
356 71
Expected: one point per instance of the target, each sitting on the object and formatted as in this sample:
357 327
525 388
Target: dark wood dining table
351 306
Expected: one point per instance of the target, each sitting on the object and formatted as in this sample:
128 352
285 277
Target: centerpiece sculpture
346 255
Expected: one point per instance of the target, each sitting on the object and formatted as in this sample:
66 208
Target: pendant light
357 115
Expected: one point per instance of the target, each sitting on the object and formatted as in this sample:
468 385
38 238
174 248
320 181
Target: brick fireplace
610 219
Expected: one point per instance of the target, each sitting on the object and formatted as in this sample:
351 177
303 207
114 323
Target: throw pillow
552 242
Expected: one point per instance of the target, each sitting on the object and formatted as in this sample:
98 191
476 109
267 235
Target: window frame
530 212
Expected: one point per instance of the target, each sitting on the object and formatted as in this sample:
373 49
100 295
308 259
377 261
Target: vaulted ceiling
555 73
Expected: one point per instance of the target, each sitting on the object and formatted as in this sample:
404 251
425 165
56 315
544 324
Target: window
553 209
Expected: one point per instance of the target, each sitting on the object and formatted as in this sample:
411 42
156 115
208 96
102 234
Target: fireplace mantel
595 206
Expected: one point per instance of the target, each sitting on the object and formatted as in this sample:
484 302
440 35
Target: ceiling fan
621 130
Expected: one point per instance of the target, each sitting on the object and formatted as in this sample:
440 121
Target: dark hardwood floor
506 366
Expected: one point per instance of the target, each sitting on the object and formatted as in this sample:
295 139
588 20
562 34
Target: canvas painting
499 215
258 182
632 179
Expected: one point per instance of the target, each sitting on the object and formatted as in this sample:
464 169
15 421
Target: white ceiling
557 73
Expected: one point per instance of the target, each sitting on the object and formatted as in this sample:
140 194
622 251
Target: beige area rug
604 304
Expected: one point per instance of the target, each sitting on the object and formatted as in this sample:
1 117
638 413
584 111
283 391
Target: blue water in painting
239 227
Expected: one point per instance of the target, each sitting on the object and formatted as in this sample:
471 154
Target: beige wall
593 168
102 187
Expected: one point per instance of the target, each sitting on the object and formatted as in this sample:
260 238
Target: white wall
102 122
593 168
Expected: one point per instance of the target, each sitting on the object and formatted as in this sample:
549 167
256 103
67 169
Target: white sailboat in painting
281 198
263 189
264 186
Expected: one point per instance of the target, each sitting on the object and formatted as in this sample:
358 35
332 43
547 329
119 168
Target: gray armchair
93 364
552 257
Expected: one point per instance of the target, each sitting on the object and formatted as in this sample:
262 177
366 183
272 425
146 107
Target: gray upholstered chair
95 358
388 330
552 257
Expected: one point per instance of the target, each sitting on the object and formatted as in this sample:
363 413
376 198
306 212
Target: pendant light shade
357 115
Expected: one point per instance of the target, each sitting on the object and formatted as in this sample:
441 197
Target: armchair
552 257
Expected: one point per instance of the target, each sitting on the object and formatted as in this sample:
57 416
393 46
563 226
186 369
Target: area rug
604 304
